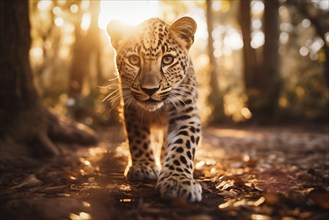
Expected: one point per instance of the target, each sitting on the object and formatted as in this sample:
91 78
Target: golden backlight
130 12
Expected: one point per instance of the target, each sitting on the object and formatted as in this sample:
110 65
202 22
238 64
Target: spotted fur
159 90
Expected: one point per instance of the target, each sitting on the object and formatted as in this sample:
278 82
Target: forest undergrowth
246 173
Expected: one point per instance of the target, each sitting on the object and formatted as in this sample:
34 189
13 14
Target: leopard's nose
150 91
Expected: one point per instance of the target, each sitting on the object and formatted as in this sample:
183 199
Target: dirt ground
257 173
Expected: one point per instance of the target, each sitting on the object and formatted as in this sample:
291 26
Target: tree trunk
262 82
271 79
250 65
23 117
215 97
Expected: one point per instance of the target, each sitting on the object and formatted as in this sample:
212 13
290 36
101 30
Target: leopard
159 91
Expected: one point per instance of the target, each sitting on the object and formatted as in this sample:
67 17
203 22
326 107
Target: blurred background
256 60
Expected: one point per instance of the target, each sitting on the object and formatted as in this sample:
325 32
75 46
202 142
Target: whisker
103 87
115 92
112 83
172 102
108 96
114 98
128 100
126 95
117 86
115 78
114 104
181 101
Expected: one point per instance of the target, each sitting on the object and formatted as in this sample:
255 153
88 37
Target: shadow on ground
246 173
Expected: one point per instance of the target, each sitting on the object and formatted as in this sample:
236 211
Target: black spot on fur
180 118
187 171
189 109
179 141
189 155
176 162
188 144
183 159
180 150
183 133
139 153
183 127
193 139
197 140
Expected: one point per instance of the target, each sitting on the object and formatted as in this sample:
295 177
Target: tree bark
23 117
271 79
262 81
251 67
215 97
17 90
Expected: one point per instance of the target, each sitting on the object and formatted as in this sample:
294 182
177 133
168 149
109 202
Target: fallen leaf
29 181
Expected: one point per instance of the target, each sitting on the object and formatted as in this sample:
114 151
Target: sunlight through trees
66 34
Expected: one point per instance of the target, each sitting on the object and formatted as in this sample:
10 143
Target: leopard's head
152 58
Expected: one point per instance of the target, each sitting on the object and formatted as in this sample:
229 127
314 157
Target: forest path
246 173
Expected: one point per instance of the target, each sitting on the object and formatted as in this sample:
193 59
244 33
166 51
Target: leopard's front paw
142 171
171 187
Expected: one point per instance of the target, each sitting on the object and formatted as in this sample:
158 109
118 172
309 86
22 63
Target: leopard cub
158 87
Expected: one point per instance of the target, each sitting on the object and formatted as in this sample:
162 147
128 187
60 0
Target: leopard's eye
167 59
134 60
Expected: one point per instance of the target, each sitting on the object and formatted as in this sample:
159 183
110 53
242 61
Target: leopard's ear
184 29
118 32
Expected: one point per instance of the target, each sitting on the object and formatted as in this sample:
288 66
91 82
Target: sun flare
130 12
